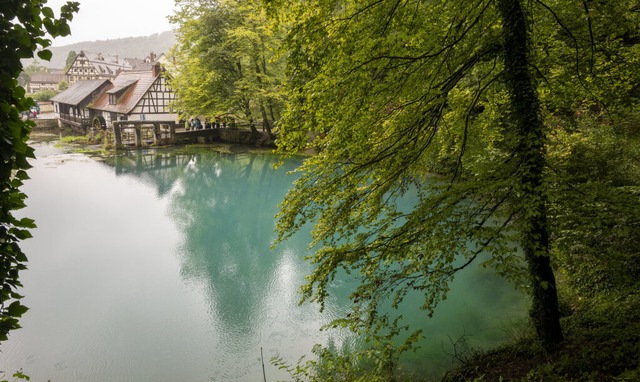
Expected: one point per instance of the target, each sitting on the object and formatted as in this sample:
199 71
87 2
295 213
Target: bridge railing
76 120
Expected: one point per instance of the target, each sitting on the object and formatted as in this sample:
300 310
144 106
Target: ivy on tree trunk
530 154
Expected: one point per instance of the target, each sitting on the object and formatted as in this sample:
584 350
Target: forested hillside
131 47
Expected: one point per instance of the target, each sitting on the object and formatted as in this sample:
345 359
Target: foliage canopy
466 103
224 62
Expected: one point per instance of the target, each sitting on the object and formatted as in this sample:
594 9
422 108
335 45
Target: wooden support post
172 133
138 133
157 134
117 135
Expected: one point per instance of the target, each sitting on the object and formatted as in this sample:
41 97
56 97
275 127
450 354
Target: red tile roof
132 85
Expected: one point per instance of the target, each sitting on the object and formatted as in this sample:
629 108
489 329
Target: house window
113 99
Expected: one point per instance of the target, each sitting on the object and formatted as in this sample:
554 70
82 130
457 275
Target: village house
94 66
138 95
152 57
45 81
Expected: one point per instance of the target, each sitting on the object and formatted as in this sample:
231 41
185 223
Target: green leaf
45 54
21 234
64 30
16 309
48 12
22 175
20 375
27 223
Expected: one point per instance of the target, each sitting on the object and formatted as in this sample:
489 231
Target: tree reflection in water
224 205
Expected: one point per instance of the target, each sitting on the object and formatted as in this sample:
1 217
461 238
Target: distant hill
129 47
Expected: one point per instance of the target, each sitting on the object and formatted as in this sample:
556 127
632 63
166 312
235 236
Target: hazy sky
109 19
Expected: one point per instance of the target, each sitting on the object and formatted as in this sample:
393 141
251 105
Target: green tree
596 222
224 61
453 99
529 154
63 85
35 67
25 75
70 58
590 89
24 26
43 95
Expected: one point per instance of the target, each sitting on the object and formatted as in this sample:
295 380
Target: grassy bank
602 344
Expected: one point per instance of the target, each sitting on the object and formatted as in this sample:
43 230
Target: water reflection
156 265
224 206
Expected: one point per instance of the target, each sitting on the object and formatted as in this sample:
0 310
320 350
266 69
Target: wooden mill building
132 95
71 105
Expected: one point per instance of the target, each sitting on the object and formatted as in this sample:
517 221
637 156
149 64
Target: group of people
196 124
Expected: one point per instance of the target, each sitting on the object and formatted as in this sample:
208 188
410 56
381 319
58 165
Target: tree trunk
530 153
265 119
247 112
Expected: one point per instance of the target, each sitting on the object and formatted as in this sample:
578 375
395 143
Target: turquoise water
157 266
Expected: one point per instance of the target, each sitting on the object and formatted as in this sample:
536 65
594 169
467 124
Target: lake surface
157 266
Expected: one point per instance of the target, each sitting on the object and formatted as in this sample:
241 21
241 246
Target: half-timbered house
139 95
70 106
93 66
44 81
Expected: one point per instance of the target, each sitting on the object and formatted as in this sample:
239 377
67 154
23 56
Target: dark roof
133 84
79 92
120 86
135 63
142 66
47 78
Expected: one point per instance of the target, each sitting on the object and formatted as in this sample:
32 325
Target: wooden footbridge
144 133
159 133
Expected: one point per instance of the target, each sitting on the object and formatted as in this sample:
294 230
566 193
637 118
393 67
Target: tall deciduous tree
398 91
530 155
71 56
225 62
24 26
